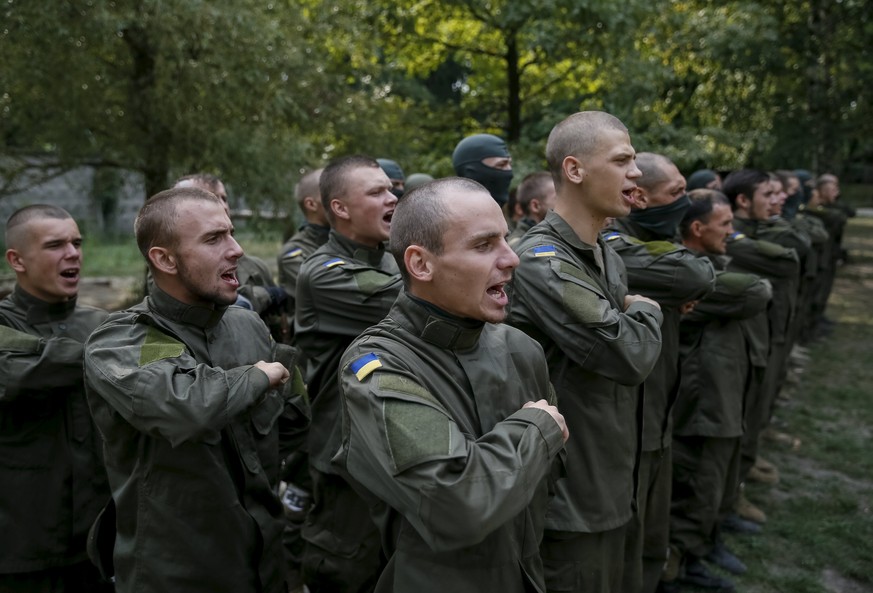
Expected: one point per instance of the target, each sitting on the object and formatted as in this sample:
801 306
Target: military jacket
254 277
304 242
671 275
714 357
433 426
343 288
598 355
51 466
194 437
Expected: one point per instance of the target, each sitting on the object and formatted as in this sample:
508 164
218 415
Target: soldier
196 412
346 286
569 293
54 484
704 179
395 176
485 158
256 286
438 396
676 278
536 197
708 414
311 235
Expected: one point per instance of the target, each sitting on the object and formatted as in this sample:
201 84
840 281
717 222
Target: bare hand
275 371
688 307
638 298
553 412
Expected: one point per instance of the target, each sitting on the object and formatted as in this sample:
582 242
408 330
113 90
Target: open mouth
70 273
230 278
498 293
628 195
388 216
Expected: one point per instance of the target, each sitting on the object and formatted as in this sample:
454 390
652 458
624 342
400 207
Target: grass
819 534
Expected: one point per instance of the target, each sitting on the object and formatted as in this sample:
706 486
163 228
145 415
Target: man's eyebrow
484 235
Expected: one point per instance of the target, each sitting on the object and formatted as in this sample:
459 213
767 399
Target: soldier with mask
708 415
570 294
536 197
676 278
54 484
346 286
485 158
395 176
197 406
440 395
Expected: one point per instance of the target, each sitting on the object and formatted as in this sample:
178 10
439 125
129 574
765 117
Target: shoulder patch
736 236
331 263
17 341
296 252
365 365
371 281
544 251
656 248
400 384
157 346
611 236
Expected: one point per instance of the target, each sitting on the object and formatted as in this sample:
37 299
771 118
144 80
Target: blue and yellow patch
365 365
294 252
611 236
333 263
544 251
736 236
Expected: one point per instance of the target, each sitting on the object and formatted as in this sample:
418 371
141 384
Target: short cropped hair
579 135
421 217
155 223
653 167
743 182
16 222
703 202
533 186
206 180
307 186
332 184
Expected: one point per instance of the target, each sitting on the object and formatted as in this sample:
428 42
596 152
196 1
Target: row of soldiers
413 437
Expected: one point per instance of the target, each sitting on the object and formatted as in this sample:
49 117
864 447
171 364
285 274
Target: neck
585 224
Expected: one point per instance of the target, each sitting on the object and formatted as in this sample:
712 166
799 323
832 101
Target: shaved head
579 135
16 225
155 225
654 168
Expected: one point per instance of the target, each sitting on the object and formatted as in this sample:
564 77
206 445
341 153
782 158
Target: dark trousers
705 481
77 578
583 562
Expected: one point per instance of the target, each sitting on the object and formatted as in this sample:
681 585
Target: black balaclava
699 179
467 160
804 177
662 220
393 171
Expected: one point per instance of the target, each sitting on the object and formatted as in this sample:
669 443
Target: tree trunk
513 83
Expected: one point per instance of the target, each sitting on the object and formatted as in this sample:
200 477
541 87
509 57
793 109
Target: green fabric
579 301
415 432
657 248
157 346
371 281
16 341
401 384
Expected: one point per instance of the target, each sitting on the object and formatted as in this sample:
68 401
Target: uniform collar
175 310
435 326
567 233
356 250
40 311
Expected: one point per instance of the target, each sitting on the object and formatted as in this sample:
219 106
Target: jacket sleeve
33 366
736 296
763 258
294 421
403 446
157 386
555 298
665 272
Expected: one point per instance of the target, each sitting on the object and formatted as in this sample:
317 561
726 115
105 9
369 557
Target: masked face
663 221
485 158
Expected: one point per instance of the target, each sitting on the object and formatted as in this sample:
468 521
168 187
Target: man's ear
418 263
641 198
695 229
309 204
743 202
339 209
13 258
164 260
573 170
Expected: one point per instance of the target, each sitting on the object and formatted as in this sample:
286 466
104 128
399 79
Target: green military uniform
433 426
671 275
194 437
834 221
768 333
708 415
257 286
295 250
51 466
518 232
814 268
343 288
569 296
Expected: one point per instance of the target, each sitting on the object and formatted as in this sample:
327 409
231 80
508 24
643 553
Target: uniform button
62 326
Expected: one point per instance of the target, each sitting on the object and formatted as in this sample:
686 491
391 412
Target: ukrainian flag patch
736 236
294 252
333 262
544 251
611 236
365 365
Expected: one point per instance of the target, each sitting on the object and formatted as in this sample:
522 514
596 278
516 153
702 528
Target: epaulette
544 251
333 263
365 365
